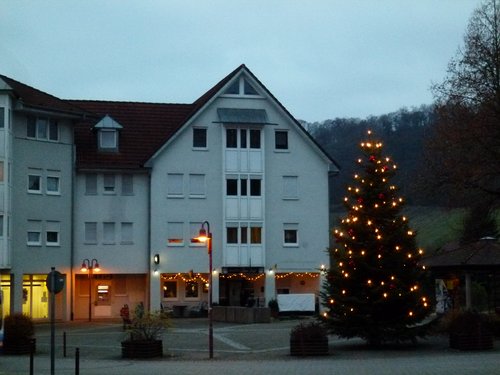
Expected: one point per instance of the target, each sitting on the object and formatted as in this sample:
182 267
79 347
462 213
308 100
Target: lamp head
84 267
202 235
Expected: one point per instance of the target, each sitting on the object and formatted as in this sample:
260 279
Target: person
125 314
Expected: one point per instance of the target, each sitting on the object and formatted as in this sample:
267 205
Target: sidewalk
241 350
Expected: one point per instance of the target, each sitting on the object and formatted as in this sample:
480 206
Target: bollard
64 344
77 361
32 357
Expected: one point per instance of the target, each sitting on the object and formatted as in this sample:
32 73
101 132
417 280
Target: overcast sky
321 58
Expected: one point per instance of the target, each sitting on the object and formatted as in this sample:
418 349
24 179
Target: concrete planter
309 347
237 314
471 341
19 347
142 349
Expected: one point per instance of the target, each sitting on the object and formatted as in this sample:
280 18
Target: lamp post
90 266
206 236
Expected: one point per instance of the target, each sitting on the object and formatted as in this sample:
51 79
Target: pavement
239 349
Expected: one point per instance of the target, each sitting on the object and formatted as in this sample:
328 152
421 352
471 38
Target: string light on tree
375 279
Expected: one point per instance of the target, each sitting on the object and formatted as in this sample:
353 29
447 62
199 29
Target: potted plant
308 339
19 334
145 335
470 330
274 307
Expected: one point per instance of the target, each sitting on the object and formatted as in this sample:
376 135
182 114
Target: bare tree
463 153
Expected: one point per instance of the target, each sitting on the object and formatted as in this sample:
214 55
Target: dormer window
108 139
107 134
241 87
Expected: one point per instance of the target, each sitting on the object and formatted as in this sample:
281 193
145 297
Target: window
91 184
108 235
243 187
199 138
34 233
1 225
234 89
232 235
255 187
109 183
290 187
290 235
1 171
243 138
52 229
53 130
53 185
248 88
231 186
42 128
108 139
34 238
52 238
127 184
231 138
127 233
90 233
174 232
255 235
170 289
175 183
196 185
281 140
254 138
191 290
2 117
34 184
244 235
31 128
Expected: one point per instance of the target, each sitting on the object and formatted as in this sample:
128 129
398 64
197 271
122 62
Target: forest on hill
403 133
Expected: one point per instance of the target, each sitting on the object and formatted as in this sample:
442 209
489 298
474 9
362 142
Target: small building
460 269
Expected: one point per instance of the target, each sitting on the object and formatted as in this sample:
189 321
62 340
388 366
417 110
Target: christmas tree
374 287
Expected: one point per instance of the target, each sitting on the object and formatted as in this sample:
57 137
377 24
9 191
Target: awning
242 116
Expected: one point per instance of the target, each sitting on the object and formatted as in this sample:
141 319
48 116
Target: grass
435 226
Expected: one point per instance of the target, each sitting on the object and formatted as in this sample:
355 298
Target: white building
145 178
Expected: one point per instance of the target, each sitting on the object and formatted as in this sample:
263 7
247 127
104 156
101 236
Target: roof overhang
242 116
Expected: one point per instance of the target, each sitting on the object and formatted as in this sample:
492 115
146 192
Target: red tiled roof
38 99
146 127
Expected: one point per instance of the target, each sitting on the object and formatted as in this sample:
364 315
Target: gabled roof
147 127
484 253
32 98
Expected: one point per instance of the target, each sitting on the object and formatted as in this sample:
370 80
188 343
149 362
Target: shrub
466 322
18 328
149 326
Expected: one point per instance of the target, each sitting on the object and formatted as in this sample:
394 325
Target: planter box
237 314
476 341
309 347
20 347
142 349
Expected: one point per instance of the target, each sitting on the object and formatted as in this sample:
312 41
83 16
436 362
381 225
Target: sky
321 59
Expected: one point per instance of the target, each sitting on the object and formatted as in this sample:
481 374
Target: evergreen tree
374 285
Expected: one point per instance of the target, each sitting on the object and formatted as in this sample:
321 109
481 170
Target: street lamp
90 266
206 236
